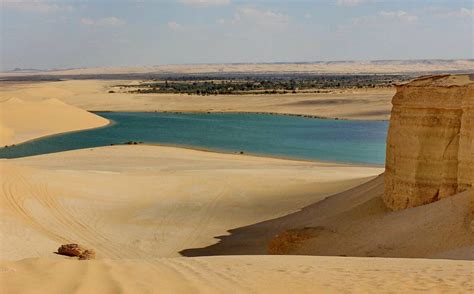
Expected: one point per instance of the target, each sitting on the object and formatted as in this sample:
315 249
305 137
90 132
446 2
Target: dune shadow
356 222
255 239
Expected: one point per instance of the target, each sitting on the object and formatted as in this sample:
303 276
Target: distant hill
422 66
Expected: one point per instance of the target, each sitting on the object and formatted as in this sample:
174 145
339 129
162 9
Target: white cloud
205 2
350 2
461 13
383 17
174 26
110 21
464 12
443 12
399 15
38 6
262 18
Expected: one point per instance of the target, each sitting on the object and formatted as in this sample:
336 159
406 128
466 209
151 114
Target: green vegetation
262 84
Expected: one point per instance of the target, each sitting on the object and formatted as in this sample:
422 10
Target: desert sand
22 120
92 95
357 223
238 274
142 207
151 201
139 206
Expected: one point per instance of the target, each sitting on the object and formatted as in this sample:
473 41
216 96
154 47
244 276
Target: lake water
272 135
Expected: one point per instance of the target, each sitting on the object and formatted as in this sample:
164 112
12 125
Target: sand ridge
22 120
149 201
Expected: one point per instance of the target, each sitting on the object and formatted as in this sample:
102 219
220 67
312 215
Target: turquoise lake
260 134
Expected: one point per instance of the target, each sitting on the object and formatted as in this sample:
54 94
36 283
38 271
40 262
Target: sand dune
357 223
149 201
139 205
25 120
92 95
237 274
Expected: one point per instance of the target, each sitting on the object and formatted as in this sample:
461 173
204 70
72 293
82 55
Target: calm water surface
274 135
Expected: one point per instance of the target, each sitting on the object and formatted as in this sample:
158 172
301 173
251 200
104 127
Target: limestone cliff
430 141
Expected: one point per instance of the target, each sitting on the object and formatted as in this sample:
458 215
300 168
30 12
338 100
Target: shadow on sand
353 223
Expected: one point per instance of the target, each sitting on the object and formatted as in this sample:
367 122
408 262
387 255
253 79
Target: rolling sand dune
136 205
149 201
25 120
92 95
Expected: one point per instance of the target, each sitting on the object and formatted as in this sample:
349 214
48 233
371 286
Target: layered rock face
430 141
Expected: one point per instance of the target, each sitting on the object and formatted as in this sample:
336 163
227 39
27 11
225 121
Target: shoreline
92 95
23 120
241 112
189 147
202 149
109 124
259 155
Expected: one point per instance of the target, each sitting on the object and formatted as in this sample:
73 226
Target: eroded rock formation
76 250
430 141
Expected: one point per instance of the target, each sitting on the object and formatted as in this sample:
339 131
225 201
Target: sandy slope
25 120
149 201
357 223
139 205
371 104
238 274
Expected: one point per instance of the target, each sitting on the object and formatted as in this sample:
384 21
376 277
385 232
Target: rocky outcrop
76 250
430 141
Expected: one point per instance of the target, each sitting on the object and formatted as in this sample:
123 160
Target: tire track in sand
17 190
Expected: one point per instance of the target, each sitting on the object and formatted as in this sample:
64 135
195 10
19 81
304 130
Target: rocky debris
71 250
288 241
133 142
429 143
88 254
76 250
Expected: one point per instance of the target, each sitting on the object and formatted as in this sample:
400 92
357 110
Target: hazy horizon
41 34
238 63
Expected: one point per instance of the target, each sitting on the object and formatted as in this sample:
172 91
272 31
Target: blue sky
66 34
